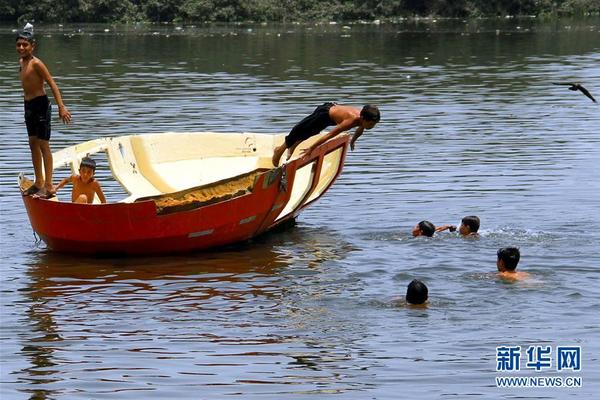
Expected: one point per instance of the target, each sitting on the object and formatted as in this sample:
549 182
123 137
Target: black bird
575 87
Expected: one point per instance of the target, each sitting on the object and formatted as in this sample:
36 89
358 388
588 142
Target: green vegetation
278 10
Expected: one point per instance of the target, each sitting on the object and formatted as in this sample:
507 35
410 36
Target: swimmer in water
426 228
416 293
508 258
469 226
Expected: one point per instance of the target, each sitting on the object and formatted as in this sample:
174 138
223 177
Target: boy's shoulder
513 276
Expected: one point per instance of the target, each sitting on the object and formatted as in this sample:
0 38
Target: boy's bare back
348 114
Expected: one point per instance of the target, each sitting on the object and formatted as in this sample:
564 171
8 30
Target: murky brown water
471 125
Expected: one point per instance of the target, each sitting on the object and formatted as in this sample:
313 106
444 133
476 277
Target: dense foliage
277 10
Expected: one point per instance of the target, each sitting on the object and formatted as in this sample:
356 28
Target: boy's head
25 41
369 116
26 34
468 225
424 228
417 292
87 168
508 258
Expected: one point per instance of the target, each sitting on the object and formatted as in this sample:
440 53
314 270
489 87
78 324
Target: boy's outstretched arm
63 112
63 183
359 131
441 228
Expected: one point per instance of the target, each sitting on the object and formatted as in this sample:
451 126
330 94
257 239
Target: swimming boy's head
468 225
369 116
424 228
508 258
417 292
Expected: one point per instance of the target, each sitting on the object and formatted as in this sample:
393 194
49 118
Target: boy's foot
31 191
277 155
45 194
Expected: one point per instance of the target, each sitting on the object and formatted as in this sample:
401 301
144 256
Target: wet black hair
427 228
472 221
88 162
510 256
417 292
370 113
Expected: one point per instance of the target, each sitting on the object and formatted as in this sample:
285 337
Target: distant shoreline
277 11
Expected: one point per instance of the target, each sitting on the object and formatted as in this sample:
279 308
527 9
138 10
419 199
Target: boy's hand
307 151
64 114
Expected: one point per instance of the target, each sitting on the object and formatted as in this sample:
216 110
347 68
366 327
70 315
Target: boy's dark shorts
311 125
37 117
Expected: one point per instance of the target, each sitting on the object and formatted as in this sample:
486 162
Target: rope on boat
36 238
283 181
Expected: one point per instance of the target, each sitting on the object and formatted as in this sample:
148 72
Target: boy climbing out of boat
84 184
328 114
508 258
34 74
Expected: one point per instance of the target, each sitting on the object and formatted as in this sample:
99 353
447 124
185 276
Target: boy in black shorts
328 114
34 74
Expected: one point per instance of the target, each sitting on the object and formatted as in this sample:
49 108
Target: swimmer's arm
63 183
339 128
441 228
63 113
99 192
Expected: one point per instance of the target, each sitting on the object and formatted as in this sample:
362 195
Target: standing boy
34 74
328 114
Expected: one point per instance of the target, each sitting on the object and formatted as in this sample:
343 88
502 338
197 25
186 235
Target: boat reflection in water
244 315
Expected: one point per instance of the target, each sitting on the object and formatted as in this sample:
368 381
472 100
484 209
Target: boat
184 192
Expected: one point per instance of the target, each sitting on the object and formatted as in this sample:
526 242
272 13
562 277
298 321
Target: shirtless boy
84 184
34 74
426 228
508 258
328 114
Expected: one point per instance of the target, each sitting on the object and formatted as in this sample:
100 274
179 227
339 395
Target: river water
471 124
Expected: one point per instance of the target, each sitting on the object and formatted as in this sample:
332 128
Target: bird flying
575 87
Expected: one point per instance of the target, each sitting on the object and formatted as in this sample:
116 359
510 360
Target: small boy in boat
416 293
426 228
508 258
328 114
84 184
469 226
34 74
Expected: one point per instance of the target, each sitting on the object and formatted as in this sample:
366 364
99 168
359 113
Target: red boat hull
137 229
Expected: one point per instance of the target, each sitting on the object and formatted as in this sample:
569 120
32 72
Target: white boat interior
155 164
